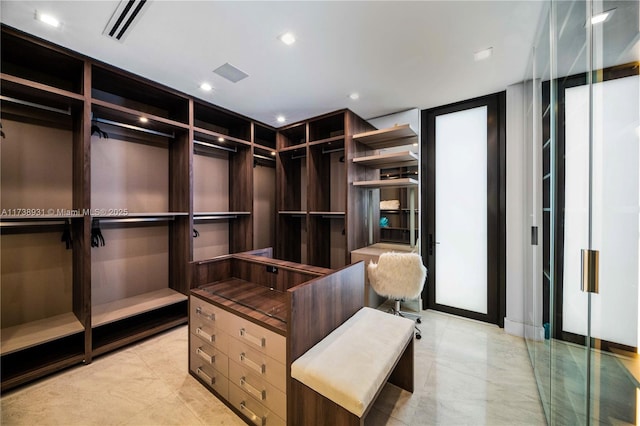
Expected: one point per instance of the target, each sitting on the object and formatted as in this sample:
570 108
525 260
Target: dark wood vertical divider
180 200
82 202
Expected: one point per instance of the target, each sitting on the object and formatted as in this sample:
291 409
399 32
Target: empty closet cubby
292 136
327 128
264 197
43 312
137 96
223 124
23 59
291 229
222 182
327 202
264 136
140 204
222 192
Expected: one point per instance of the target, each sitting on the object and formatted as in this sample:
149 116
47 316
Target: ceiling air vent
230 72
126 14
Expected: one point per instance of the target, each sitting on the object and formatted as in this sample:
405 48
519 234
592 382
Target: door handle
590 271
431 244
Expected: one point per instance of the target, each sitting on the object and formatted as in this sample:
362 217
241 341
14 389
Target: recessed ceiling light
602 17
483 54
281 119
206 87
287 38
273 153
47 19
354 96
144 119
221 139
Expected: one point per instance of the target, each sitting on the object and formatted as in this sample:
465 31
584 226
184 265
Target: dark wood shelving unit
65 93
324 211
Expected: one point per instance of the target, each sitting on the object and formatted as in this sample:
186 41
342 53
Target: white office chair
398 276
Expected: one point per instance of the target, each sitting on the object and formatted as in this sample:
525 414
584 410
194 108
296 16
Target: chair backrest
398 275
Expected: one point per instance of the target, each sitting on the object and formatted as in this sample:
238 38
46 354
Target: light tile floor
466 373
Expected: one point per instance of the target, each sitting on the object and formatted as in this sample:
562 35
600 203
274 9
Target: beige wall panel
127 175
133 261
36 280
35 167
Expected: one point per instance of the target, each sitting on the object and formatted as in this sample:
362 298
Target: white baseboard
514 328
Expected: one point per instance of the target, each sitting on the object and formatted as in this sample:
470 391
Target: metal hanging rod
104 220
35 105
136 128
210 145
295 157
328 151
215 217
264 157
32 223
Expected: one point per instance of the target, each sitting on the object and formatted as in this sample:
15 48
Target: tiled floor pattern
467 373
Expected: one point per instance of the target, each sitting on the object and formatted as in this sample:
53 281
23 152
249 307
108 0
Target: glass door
583 143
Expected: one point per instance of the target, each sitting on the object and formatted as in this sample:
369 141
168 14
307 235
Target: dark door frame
496 208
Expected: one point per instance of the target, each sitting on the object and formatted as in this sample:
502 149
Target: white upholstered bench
337 380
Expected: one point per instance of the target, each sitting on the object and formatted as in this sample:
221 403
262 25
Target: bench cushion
353 362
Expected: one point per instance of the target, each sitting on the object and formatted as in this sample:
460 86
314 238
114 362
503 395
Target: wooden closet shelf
294 148
142 215
388 138
106 110
327 141
130 306
21 84
292 212
196 214
211 136
388 160
333 214
33 333
387 183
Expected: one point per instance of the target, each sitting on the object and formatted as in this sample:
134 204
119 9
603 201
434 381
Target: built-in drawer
262 365
211 332
252 409
259 338
264 392
210 355
212 336
207 313
210 376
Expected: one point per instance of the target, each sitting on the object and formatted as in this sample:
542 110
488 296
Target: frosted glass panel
615 211
461 209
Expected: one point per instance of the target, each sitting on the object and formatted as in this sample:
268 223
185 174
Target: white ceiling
396 55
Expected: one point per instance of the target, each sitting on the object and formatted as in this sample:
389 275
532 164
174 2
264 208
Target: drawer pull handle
207 336
210 317
259 341
252 364
211 359
261 395
210 380
261 421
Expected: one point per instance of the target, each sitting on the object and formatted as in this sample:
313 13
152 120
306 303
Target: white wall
515 206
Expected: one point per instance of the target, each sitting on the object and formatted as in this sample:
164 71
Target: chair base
397 311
